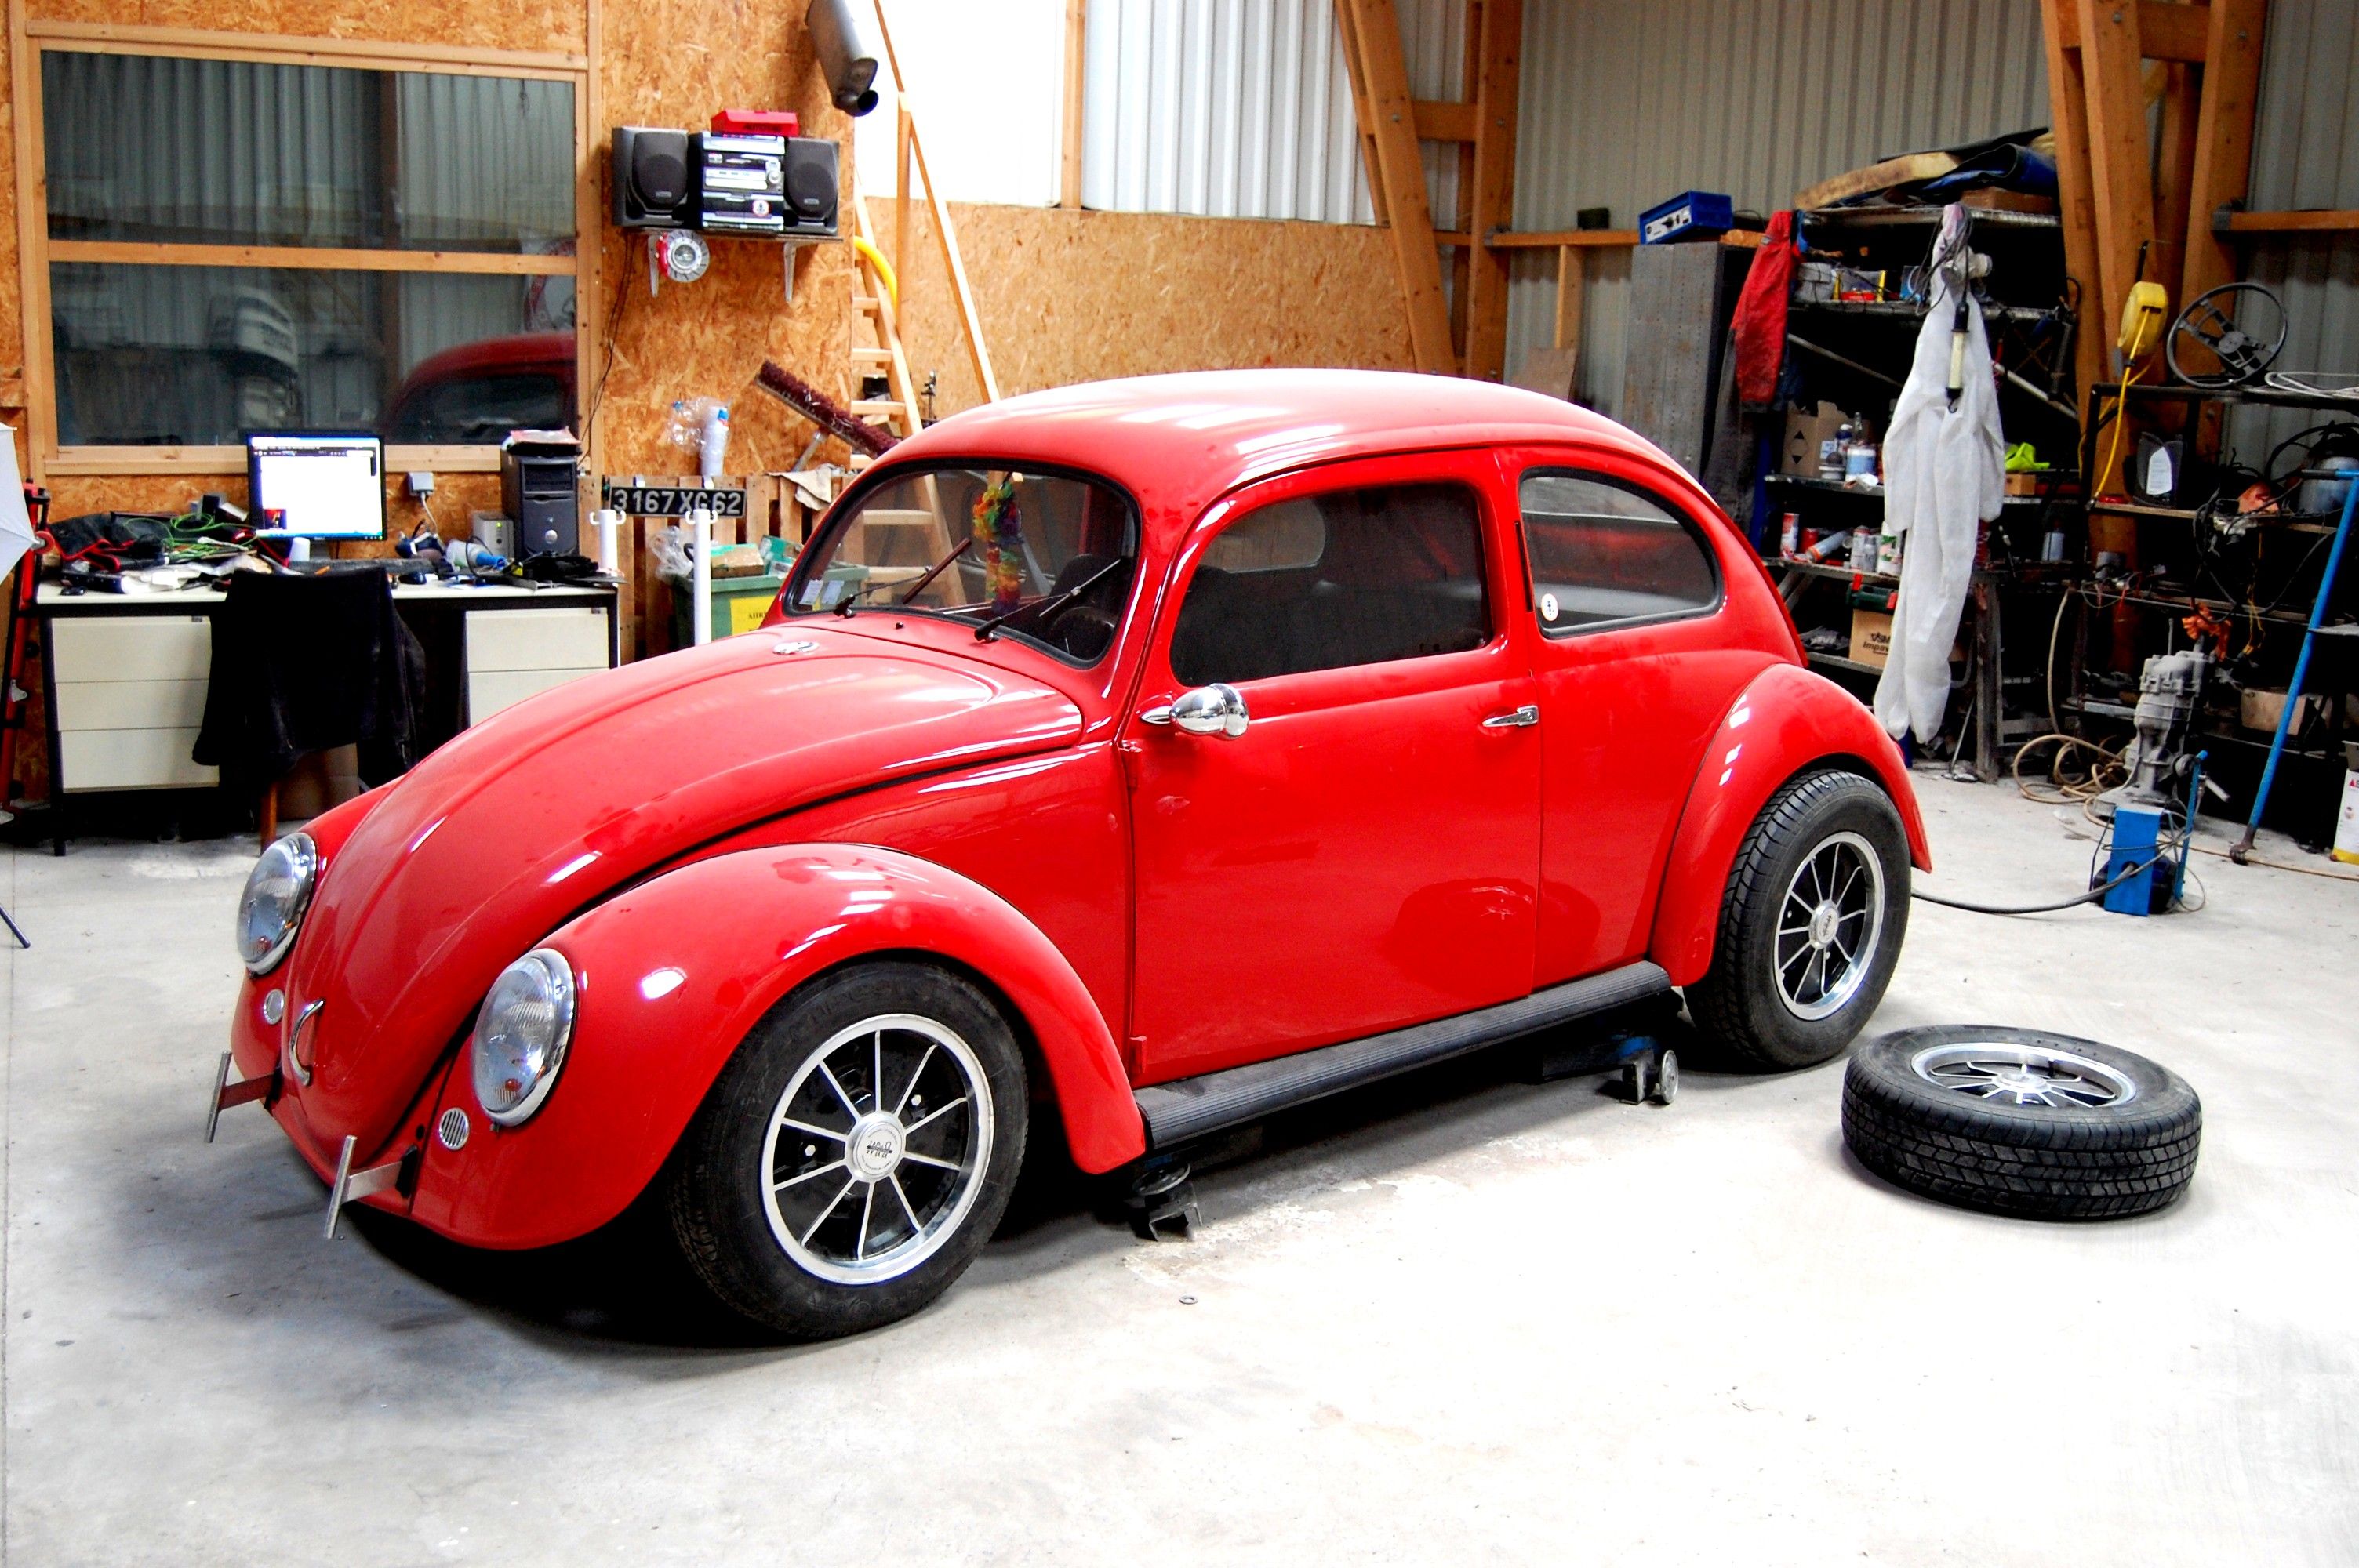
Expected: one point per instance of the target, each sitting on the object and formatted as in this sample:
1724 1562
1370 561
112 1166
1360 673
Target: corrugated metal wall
1626 105
2306 154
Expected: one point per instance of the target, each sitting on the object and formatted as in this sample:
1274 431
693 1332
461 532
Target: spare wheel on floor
2021 1121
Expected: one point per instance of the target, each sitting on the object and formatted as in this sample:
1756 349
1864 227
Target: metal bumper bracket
226 1094
393 1175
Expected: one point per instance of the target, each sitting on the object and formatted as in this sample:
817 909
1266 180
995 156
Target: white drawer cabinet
515 653
130 699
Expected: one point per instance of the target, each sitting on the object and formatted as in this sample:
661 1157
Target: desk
125 675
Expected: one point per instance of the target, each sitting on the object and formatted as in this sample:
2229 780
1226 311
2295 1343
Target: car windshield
1044 556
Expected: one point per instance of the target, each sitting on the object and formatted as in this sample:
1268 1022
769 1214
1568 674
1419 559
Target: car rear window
1321 582
1604 554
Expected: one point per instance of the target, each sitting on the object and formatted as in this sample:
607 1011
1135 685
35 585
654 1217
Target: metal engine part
2169 688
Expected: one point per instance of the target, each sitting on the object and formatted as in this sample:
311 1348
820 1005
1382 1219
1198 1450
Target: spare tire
2021 1121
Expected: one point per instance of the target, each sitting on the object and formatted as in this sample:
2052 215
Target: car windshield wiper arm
844 605
939 567
1042 606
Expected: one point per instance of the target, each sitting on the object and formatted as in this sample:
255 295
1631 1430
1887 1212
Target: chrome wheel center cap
875 1148
1823 921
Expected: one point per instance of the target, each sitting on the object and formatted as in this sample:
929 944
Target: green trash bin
739 604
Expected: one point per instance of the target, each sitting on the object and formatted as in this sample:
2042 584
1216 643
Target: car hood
505 834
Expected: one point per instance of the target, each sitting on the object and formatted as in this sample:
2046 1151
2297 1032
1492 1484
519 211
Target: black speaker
654 181
812 186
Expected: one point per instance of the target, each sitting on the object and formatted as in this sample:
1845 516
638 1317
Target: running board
1190 1107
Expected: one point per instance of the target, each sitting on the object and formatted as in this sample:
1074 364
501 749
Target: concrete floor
1457 1318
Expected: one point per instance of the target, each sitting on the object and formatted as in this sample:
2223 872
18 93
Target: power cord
2091 896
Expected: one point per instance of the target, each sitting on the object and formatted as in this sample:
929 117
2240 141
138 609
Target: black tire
1739 999
2073 1161
721 1215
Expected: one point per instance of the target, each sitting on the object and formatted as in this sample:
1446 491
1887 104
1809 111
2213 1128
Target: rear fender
673 973
1787 722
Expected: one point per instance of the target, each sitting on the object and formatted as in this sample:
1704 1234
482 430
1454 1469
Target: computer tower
541 492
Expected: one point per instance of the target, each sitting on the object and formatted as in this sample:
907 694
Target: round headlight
520 1035
277 892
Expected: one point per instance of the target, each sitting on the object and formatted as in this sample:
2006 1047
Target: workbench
125 675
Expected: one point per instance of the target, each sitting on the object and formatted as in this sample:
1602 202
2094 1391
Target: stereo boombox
725 182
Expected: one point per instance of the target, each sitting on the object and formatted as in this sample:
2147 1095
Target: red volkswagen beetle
1122 764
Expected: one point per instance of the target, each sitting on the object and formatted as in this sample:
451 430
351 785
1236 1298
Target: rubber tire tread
1733 1007
717 1216
2099 1162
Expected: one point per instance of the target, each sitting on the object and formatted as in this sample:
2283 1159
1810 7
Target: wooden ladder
871 306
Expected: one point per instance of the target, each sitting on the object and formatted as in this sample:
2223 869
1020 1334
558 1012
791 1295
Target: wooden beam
143 253
2120 153
1363 117
1077 22
2167 31
2224 147
1371 49
32 232
1437 120
112 37
2318 220
1556 239
1571 294
2076 201
1493 204
2174 171
945 232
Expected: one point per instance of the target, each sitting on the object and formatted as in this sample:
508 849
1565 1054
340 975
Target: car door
1358 851
1635 672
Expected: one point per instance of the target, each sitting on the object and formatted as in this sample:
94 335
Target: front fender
673 973
1786 721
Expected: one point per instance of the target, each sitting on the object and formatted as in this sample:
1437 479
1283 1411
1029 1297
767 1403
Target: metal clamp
226 1094
393 1175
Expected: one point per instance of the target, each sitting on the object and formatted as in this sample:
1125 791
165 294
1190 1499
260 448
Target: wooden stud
2315 220
1347 29
2120 153
32 242
1443 122
108 38
2076 201
904 132
1380 88
1077 22
2174 173
1556 239
1461 154
2224 149
1494 205
2168 31
945 232
1571 294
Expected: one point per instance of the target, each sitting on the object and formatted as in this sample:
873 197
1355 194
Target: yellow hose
883 268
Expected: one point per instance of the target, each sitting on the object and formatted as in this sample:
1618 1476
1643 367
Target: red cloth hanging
1760 326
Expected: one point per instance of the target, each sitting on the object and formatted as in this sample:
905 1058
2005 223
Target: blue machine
2138 841
1690 215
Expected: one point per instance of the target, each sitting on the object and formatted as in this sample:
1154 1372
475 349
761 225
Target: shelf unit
2169 539
1856 355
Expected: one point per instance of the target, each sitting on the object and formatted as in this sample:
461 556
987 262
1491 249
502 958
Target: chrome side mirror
1215 709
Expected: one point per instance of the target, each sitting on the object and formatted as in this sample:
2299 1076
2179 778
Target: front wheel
1810 926
856 1154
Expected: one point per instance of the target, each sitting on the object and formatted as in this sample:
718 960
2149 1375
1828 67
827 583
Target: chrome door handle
1523 718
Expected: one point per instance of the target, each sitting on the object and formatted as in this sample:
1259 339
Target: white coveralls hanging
1945 474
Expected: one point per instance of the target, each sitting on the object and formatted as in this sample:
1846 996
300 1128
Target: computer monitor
316 484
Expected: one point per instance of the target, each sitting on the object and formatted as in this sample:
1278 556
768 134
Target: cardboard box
1871 637
2261 709
1805 428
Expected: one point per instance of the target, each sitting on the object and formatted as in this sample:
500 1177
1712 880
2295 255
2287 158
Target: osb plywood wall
1071 296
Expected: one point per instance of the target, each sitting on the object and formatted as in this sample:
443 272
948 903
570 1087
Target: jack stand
1161 1199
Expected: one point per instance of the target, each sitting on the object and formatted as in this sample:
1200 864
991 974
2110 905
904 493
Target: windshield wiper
939 567
1059 600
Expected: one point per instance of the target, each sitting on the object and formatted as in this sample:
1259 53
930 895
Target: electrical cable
2091 896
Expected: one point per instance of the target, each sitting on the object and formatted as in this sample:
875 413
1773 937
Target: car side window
1602 555
1323 582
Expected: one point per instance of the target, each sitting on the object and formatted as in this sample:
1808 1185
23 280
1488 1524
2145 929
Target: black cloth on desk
308 663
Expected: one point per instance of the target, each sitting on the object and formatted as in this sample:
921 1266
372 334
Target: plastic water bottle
714 446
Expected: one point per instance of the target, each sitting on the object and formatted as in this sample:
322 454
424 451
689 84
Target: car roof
1178 442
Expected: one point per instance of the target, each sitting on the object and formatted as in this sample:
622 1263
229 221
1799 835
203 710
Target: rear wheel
1811 922
857 1152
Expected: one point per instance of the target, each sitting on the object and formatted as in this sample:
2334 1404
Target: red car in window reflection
479 392
1121 764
